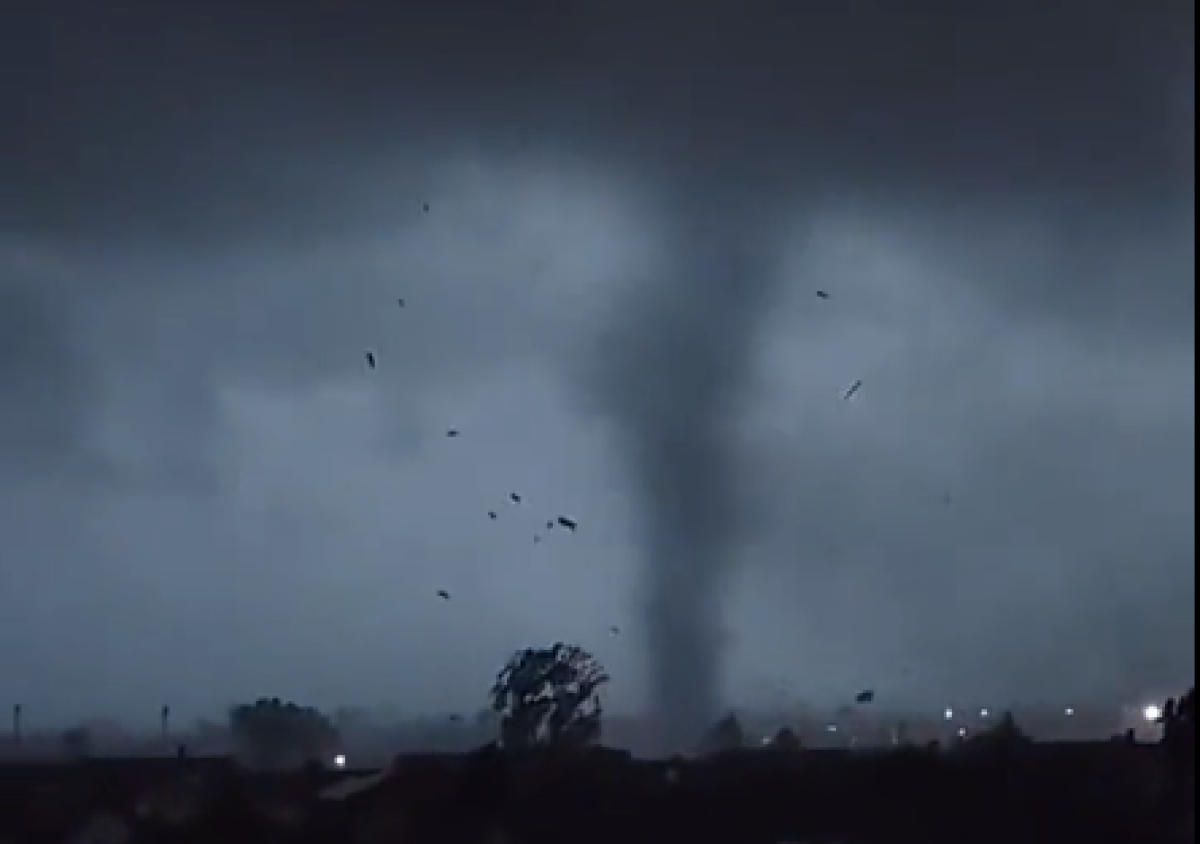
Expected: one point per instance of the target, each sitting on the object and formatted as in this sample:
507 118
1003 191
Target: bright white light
949 714
832 728
1152 713
339 761
962 732
1070 711
983 713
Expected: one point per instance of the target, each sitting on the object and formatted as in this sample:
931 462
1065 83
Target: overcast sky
611 224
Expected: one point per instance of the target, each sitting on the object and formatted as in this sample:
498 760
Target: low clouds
997 452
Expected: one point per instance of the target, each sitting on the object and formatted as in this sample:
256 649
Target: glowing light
1069 711
1152 713
983 713
339 761
949 714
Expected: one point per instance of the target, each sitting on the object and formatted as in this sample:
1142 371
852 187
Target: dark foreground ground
1020 795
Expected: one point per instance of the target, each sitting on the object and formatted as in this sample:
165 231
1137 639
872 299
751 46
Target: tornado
674 386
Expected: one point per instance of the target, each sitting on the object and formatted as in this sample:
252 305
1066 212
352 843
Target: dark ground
1109 792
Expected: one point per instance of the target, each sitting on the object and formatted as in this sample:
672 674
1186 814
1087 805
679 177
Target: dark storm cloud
987 479
228 189
151 113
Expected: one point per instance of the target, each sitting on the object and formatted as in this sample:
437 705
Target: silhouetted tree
1179 721
1004 737
727 734
785 740
274 733
1179 746
549 696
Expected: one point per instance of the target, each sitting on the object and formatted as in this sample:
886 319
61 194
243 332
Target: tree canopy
549 696
274 733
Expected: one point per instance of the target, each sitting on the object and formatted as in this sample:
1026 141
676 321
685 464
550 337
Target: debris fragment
516 499
867 696
550 525
370 358
491 514
614 630
400 302
821 294
425 207
854 388
569 524
349 787
443 594
452 433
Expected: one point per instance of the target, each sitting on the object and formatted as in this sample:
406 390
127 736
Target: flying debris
536 539
550 525
491 514
569 524
400 302
854 388
452 433
516 499
443 594
425 208
614 630
370 358
821 294
867 696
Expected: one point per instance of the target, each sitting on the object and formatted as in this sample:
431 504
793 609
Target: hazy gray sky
208 212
